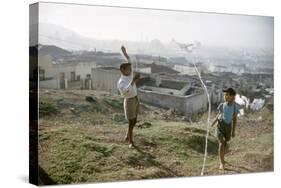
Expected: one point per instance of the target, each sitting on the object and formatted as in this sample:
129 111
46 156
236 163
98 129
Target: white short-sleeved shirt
126 89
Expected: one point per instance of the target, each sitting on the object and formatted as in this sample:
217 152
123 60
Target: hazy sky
145 25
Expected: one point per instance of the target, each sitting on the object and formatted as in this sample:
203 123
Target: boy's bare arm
215 120
135 78
125 53
234 125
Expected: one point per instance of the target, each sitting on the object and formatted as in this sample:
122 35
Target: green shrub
47 109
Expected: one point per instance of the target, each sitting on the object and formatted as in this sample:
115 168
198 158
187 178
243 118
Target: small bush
116 104
47 109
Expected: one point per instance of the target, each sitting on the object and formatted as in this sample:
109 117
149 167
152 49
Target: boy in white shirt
127 87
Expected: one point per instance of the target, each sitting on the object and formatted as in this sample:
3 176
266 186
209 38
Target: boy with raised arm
127 87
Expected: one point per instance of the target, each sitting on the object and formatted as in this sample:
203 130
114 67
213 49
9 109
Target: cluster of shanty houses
161 85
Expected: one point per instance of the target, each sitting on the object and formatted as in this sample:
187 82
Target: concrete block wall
188 105
196 103
162 100
48 84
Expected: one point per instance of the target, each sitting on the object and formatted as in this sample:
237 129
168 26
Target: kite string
209 112
208 120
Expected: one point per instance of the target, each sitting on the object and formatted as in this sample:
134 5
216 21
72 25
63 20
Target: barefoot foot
221 166
126 139
131 145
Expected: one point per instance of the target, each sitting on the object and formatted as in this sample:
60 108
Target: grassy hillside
81 140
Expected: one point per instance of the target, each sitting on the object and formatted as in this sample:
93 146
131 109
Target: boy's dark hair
124 66
230 91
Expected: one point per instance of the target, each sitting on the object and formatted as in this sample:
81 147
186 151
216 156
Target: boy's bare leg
132 123
221 154
130 130
226 147
126 137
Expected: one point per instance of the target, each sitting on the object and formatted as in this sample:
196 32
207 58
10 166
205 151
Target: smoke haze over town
158 26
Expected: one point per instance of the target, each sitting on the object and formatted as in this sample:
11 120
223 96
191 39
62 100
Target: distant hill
51 34
53 51
60 55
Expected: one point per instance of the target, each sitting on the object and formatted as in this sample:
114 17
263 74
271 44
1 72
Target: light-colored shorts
131 107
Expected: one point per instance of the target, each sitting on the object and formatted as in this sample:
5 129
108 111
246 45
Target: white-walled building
105 78
60 75
183 69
